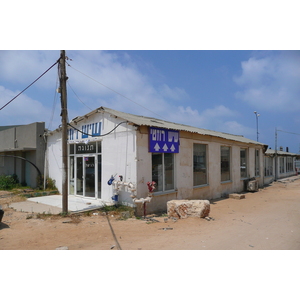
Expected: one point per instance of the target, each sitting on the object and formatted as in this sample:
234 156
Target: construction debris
237 196
188 208
209 218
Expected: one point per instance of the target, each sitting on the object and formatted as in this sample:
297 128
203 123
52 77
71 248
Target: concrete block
188 208
237 196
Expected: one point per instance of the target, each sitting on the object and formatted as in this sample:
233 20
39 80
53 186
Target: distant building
283 166
22 151
113 155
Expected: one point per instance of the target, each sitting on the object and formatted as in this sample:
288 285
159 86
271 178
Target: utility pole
257 115
276 163
64 117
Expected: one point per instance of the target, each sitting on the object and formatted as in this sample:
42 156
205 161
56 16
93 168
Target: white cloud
218 111
23 67
234 127
272 82
212 118
119 83
22 110
173 94
143 95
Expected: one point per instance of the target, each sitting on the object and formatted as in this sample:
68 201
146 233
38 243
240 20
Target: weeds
8 182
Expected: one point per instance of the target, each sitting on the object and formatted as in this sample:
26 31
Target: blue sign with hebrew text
163 140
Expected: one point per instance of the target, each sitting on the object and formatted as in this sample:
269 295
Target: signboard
163 140
86 131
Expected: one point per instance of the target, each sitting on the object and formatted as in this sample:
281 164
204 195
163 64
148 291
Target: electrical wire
77 96
101 134
115 91
54 105
288 132
29 86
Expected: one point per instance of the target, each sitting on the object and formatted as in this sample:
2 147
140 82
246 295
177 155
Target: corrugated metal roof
149 121
272 152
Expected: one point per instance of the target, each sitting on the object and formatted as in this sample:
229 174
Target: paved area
53 204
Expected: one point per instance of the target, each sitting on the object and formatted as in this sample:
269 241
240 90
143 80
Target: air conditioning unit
252 186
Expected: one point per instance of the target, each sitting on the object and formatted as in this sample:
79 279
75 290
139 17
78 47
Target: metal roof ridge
195 129
138 120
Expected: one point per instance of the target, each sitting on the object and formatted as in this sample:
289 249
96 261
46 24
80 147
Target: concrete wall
7 139
125 152
118 157
184 188
270 179
118 154
24 141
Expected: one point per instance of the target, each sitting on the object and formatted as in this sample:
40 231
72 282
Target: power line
77 96
28 86
115 91
98 135
288 132
54 105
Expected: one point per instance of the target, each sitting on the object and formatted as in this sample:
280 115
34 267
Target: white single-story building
117 156
283 166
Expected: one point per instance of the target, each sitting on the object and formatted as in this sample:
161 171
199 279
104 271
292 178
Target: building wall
118 154
285 173
119 157
184 188
7 138
25 141
126 152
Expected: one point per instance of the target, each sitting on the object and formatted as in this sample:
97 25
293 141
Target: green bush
50 184
8 182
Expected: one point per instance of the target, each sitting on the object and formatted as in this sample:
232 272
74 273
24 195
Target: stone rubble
188 208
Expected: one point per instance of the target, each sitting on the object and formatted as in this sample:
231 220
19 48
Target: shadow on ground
3 225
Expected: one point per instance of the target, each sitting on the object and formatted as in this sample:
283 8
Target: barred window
268 166
289 164
199 164
281 165
225 163
243 163
257 173
163 171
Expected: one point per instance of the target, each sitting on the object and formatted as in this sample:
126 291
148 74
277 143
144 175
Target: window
289 164
281 164
225 163
243 163
199 164
163 171
268 166
1 160
257 162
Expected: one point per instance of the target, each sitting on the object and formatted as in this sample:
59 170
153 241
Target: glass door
89 164
85 176
79 176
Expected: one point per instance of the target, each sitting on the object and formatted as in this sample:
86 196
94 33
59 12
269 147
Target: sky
213 89
217 90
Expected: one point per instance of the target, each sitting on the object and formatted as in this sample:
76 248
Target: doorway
85 170
85 176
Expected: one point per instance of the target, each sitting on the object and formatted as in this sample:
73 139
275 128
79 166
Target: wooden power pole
64 124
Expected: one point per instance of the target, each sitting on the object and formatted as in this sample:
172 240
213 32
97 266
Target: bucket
115 198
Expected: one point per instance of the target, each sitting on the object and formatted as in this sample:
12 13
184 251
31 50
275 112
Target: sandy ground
265 220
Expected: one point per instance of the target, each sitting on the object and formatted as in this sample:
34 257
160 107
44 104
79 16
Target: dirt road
268 219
